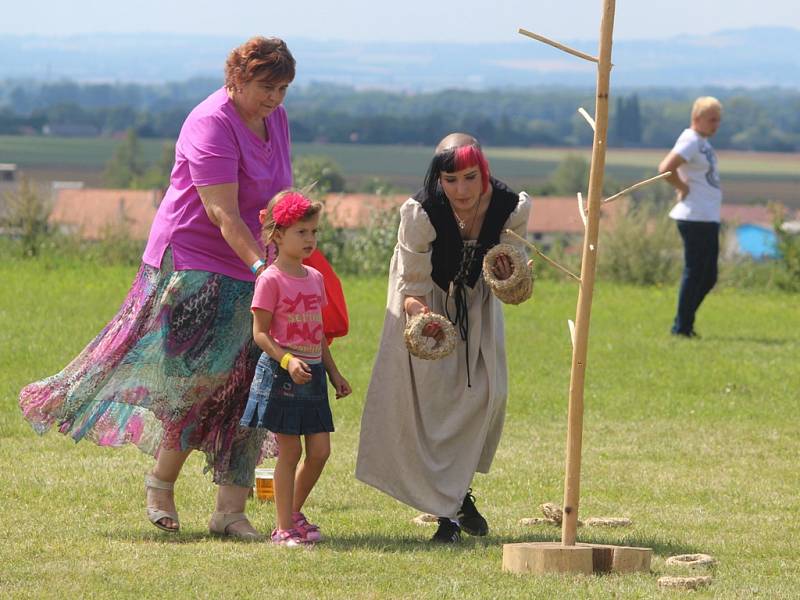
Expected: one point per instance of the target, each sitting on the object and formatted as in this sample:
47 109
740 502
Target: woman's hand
671 162
502 267
299 371
415 306
433 330
341 385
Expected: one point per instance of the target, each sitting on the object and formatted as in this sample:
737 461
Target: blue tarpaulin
757 241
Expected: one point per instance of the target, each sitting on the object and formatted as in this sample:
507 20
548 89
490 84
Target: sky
404 20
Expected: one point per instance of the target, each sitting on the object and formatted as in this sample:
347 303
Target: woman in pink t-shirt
171 372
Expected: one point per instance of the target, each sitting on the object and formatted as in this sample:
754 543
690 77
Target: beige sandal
220 522
155 515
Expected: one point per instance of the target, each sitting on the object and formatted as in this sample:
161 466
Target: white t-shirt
700 173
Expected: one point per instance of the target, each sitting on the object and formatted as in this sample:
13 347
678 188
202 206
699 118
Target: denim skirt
280 405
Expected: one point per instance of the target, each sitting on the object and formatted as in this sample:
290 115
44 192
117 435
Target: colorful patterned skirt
172 370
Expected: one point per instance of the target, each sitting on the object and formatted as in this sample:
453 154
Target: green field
694 440
747 176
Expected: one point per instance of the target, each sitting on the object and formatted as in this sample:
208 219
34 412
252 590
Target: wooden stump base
539 558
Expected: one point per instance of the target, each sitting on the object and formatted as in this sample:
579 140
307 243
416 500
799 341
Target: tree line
765 119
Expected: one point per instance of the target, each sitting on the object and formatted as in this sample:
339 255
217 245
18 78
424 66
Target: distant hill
748 57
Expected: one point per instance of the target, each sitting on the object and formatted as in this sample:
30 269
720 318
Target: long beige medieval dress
424 430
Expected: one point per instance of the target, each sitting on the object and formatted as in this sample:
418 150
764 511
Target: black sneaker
471 520
687 334
448 532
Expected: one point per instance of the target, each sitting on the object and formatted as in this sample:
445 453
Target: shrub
26 217
558 252
788 277
642 248
115 246
368 251
320 170
746 273
365 251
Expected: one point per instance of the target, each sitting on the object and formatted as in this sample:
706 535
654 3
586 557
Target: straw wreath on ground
693 562
687 583
553 515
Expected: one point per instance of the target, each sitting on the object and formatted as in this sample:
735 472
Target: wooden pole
569 556
588 268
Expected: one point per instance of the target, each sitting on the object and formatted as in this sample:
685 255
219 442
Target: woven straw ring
691 560
687 583
519 286
426 347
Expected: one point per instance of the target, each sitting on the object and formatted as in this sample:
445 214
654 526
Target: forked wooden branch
568 556
544 257
636 187
555 44
581 209
587 116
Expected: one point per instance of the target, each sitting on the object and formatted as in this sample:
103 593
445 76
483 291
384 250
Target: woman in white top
693 163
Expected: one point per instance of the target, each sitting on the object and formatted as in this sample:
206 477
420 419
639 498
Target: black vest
449 261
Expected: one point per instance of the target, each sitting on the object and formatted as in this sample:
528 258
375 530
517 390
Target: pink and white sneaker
308 531
290 538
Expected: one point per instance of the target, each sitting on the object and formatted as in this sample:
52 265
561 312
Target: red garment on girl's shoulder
335 322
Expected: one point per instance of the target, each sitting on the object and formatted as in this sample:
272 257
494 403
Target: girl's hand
502 268
682 192
341 385
299 371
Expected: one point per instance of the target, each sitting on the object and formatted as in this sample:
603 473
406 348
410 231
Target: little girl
289 395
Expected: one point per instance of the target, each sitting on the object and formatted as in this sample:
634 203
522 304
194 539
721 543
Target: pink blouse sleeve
211 149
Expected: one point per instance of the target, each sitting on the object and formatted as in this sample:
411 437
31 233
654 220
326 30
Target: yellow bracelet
285 360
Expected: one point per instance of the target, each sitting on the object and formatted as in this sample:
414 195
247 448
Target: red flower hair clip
289 208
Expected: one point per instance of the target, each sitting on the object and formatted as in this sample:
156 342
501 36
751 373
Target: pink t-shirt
296 306
215 146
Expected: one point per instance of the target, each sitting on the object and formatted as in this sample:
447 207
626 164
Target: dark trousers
700 254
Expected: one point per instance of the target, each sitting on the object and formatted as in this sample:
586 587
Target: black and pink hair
451 160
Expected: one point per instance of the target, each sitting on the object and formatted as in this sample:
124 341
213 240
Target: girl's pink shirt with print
296 306
214 147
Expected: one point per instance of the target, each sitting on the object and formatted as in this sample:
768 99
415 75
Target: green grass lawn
695 440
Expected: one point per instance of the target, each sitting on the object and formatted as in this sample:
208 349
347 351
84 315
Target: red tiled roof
91 212
351 211
559 214
740 214
549 214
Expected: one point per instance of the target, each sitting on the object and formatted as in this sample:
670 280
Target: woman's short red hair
259 58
